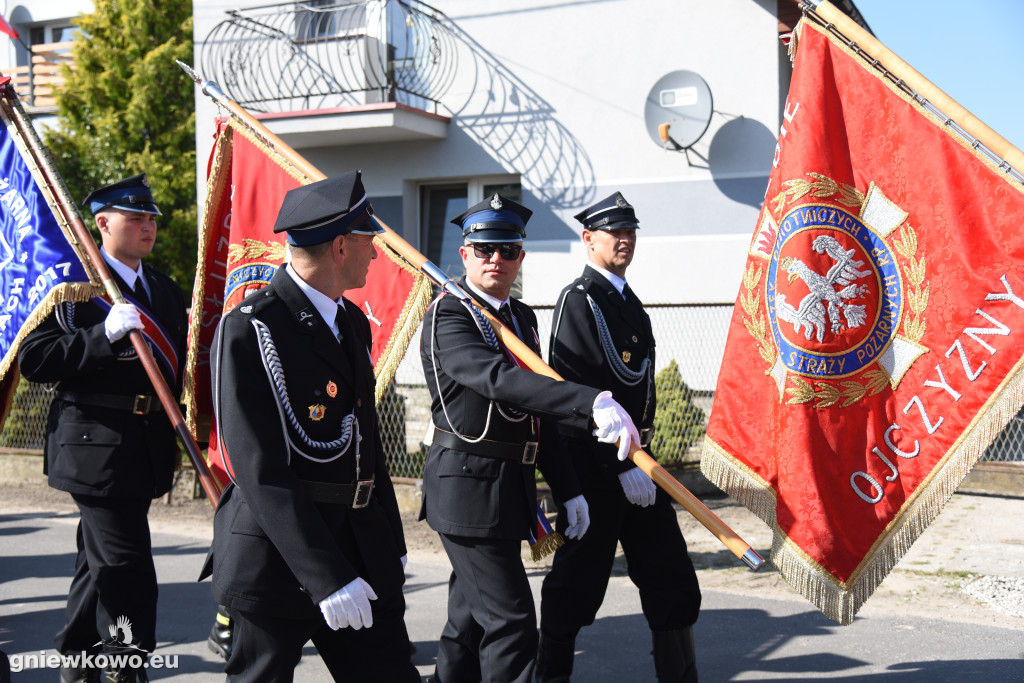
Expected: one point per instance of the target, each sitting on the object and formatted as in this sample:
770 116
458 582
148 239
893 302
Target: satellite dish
678 110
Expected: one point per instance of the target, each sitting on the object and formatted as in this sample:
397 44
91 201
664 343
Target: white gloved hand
349 606
614 423
577 513
122 319
638 487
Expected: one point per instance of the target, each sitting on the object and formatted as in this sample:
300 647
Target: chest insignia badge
332 389
316 412
626 355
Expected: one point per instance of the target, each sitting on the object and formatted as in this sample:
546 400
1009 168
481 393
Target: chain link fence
691 341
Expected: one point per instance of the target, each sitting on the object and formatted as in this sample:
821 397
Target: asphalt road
752 628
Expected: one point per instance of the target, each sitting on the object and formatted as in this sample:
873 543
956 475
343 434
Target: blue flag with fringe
39 268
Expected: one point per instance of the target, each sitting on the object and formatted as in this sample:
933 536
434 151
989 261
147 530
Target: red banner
239 254
877 343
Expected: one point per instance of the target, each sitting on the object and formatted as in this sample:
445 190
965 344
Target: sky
971 50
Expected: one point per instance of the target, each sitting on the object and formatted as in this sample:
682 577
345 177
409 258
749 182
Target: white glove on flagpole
577 513
614 423
122 319
349 606
638 487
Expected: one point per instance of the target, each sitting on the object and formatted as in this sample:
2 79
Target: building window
41 35
440 203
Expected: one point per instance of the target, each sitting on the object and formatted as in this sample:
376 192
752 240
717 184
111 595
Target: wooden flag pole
70 215
395 241
874 49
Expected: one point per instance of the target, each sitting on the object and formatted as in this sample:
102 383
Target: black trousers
491 634
655 554
114 577
267 649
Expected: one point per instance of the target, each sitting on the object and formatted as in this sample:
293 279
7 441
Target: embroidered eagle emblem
825 300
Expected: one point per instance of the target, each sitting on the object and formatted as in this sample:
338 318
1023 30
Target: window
56 33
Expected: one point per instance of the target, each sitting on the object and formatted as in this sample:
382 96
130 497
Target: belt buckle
364 489
646 436
141 403
529 452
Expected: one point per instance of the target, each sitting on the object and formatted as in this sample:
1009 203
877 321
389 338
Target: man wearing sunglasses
601 336
479 490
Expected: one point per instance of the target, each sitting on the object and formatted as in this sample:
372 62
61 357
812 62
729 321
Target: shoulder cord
275 373
492 340
487 331
619 368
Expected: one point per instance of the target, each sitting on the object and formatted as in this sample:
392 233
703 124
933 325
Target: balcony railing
37 84
311 55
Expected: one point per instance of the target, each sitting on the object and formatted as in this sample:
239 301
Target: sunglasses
509 252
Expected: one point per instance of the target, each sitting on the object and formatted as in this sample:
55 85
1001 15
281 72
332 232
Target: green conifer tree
127 108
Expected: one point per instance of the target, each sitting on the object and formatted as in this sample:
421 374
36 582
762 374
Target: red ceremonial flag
5 27
239 254
877 343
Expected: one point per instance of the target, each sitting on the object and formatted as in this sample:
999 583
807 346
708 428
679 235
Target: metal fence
691 340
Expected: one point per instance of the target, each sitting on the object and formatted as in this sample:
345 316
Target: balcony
37 83
344 73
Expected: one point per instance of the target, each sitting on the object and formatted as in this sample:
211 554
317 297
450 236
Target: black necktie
505 313
344 328
139 292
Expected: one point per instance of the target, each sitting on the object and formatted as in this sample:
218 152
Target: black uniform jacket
474 495
101 451
578 355
276 550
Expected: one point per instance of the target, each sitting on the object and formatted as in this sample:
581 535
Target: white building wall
566 85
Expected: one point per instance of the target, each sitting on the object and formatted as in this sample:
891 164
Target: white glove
638 487
122 319
349 606
613 423
577 513
405 558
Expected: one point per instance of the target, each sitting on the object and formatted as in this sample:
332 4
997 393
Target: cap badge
626 355
145 182
496 202
332 389
621 202
316 412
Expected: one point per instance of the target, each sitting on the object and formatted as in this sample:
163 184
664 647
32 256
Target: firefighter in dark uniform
108 442
308 541
479 491
601 336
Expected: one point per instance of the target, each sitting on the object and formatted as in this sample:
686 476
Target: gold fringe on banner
68 292
216 186
838 600
738 480
546 546
405 327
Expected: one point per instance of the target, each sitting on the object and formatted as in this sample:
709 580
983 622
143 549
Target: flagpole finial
208 87
190 71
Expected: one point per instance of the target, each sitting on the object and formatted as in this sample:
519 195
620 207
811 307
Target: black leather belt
525 453
140 404
356 495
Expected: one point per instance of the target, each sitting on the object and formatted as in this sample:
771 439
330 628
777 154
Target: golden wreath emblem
835 292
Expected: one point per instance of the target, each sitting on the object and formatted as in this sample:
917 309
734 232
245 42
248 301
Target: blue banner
37 264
